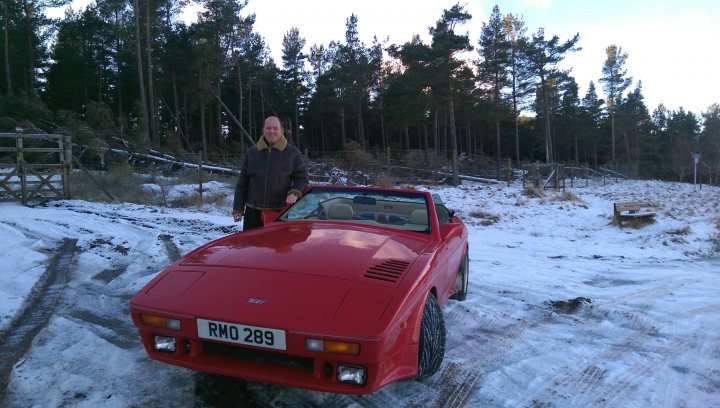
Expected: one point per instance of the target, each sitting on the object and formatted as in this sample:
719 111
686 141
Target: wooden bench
629 211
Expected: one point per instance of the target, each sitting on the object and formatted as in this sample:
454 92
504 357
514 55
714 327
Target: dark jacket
268 175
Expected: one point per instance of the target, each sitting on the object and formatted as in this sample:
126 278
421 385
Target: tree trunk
119 68
612 131
435 131
548 134
8 79
203 133
251 123
342 125
360 125
31 63
154 136
383 136
141 81
240 95
426 142
262 101
627 147
497 132
453 136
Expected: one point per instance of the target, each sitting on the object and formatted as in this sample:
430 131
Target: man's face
272 130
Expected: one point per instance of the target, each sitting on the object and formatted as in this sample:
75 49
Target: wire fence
370 167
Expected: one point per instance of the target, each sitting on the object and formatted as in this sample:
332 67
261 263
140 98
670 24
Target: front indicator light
158 321
337 347
351 374
165 343
340 347
313 345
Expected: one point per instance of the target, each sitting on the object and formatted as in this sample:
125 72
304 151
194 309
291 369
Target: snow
564 309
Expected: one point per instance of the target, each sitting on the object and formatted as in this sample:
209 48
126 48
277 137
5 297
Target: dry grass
715 240
485 217
534 192
126 186
568 196
680 231
386 181
638 223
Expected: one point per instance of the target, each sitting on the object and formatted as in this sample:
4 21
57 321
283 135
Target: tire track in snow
589 387
41 305
457 385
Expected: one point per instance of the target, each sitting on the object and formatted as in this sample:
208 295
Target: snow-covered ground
564 309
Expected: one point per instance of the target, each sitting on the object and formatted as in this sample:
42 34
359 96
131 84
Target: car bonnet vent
388 271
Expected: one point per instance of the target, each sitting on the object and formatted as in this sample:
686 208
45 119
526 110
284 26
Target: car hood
344 251
299 276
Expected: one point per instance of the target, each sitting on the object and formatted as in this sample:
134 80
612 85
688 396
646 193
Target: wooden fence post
587 174
21 167
509 172
200 174
66 146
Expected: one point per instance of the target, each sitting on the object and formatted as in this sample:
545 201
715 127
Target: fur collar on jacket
280 145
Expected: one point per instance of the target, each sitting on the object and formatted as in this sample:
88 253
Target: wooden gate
34 167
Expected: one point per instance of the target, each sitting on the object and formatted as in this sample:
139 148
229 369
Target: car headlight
165 343
351 374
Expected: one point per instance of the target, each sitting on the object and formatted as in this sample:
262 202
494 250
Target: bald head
272 131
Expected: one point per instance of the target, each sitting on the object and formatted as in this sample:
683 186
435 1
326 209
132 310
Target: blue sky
672 45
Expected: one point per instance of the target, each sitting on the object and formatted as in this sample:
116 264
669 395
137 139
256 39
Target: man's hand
291 199
237 216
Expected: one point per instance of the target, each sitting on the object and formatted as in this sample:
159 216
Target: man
273 174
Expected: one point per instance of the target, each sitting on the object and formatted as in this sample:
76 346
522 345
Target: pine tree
616 82
543 56
294 75
494 49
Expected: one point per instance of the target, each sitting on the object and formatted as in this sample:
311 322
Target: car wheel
432 339
461 282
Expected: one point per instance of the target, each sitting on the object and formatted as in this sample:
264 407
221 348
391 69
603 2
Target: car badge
255 301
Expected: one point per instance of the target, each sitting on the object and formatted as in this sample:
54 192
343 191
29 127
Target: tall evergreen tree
408 93
615 81
294 75
710 147
26 32
592 115
633 123
520 78
683 128
569 112
355 71
543 56
494 50
445 45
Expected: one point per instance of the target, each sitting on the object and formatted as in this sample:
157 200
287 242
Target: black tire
432 339
461 282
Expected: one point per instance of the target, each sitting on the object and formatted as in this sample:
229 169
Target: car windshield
392 209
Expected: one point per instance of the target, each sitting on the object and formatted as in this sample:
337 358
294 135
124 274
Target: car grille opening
257 356
388 271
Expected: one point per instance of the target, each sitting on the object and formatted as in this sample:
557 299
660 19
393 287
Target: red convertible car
339 293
